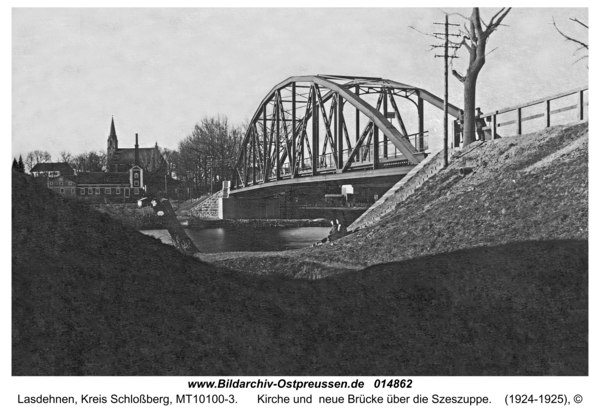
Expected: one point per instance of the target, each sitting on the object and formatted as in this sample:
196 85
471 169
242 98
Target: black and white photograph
294 192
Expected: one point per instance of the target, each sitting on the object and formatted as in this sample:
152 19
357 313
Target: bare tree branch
491 23
458 76
469 34
492 26
580 22
488 53
567 37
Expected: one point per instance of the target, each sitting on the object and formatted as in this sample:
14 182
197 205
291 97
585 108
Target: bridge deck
351 175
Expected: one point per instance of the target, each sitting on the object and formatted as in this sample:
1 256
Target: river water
248 239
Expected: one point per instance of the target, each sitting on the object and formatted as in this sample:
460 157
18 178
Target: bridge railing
541 109
365 156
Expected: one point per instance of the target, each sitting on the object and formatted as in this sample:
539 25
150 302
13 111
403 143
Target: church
130 173
122 159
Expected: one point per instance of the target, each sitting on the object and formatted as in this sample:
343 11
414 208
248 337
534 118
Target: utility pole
446 46
211 174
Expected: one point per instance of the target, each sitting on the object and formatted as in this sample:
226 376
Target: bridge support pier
233 208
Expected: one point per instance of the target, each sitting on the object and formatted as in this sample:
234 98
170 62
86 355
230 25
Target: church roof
127 155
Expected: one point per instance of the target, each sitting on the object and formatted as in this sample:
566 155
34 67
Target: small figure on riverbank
333 232
331 236
342 230
338 230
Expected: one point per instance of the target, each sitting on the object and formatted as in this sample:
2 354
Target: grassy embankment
532 187
503 294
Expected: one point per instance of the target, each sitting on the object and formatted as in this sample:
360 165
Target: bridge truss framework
300 129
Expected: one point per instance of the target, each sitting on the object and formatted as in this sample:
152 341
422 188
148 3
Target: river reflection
248 239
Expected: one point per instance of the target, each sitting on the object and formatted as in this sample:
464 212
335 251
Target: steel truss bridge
304 131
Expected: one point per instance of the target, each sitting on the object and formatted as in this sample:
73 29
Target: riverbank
194 223
247 239
145 219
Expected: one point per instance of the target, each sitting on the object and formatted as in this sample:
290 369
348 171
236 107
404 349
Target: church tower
113 143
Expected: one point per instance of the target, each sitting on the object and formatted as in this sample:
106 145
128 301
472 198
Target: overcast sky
160 71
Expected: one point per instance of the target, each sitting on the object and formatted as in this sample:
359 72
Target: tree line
207 155
92 161
203 157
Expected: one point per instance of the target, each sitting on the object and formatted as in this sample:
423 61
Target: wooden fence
519 119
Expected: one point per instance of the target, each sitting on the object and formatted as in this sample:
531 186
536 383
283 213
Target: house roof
53 166
84 178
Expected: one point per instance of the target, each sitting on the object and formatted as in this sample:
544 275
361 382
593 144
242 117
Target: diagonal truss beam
288 140
354 152
379 101
327 121
397 112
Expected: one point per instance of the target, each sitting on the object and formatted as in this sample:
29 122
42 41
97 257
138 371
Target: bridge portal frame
265 148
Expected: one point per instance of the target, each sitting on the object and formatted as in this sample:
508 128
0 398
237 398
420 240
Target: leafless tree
208 152
89 161
65 156
475 35
35 157
169 156
582 45
152 162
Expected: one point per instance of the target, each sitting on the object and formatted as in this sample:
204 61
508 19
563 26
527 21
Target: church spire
113 143
113 133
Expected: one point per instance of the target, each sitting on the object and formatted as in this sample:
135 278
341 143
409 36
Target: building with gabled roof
63 184
102 187
52 169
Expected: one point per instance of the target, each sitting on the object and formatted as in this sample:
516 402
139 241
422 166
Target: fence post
494 126
547 113
519 121
580 105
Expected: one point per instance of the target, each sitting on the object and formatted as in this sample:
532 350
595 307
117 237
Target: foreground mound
91 297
